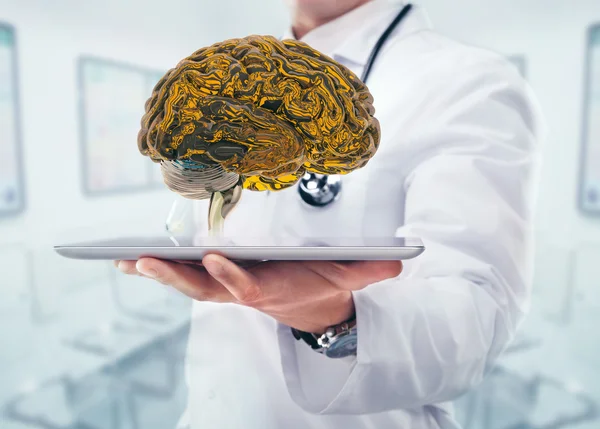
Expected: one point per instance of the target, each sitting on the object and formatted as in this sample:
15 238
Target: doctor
456 167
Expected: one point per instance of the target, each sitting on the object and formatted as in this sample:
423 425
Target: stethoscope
320 189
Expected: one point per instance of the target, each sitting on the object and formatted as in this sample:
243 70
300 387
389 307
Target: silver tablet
253 249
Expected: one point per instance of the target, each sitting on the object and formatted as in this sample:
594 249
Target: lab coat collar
353 35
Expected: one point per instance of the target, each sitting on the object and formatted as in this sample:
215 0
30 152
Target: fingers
244 286
188 279
356 275
127 267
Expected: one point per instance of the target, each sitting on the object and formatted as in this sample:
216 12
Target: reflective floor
107 354
144 390
540 382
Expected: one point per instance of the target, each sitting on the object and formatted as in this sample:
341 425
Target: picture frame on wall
12 182
112 96
589 169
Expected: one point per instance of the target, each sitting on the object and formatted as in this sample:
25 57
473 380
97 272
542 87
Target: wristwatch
337 341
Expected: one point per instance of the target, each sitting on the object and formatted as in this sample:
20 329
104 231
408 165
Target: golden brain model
257 112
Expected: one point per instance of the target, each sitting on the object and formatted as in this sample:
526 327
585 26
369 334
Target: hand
307 295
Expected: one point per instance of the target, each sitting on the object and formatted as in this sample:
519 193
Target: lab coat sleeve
430 334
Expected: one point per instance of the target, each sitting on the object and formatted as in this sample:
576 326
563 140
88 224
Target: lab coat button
211 394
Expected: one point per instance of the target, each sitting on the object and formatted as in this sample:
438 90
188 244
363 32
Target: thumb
243 285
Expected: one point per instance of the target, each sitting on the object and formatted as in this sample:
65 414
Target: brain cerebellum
265 109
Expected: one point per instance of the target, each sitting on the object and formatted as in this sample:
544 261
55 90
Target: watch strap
321 342
307 337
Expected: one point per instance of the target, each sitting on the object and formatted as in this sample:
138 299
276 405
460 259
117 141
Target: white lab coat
456 167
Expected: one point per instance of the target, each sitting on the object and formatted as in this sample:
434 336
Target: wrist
337 337
341 311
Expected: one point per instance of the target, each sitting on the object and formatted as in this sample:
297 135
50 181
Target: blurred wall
50 36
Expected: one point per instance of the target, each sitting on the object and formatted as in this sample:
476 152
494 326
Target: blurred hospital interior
82 345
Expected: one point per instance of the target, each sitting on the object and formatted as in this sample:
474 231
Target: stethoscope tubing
323 181
382 39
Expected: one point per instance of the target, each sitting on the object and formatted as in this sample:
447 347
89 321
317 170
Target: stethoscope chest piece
319 189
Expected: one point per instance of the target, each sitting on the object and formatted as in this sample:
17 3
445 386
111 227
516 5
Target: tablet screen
256 242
